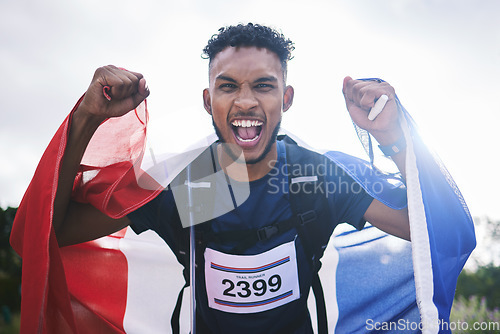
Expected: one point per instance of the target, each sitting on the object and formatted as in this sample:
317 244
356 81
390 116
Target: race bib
251 283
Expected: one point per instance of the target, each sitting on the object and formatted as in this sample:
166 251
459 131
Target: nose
245 100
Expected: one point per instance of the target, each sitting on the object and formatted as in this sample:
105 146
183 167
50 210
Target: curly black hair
250 35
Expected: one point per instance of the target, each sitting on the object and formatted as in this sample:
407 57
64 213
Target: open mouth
247 131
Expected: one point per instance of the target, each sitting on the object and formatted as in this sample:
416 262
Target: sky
442 57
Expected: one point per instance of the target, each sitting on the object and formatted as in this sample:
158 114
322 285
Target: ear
207 103
288 98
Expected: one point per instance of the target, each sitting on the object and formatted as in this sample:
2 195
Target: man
246 83
246 98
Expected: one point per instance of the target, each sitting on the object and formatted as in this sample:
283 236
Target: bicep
83 222
389 220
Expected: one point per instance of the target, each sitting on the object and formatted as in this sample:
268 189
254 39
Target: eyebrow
262 79
223 77
266 79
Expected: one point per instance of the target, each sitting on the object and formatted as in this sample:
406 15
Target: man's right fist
126 89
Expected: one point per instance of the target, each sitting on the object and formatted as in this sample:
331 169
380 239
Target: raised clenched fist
125 90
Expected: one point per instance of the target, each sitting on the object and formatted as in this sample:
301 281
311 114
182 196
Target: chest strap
249 237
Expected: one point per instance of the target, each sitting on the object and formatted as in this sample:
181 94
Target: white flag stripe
422 263
154 281
299 179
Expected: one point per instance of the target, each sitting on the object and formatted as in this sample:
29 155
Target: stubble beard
267 149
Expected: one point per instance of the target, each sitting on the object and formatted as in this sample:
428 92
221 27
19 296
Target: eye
226 87
264 87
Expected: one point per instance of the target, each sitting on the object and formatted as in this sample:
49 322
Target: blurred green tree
481 278
483 283
10 264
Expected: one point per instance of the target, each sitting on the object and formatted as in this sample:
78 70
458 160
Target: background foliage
10 276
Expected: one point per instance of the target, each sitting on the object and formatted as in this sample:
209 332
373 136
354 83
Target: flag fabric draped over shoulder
126 283
61 291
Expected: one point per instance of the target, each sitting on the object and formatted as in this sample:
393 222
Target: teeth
246 123
246 140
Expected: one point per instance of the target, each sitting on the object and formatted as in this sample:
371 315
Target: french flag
124 283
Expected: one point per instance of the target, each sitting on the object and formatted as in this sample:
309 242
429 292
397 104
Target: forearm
400 161
399 158
82 127
395 222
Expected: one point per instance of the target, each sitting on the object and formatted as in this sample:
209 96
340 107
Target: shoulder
297 152
304 161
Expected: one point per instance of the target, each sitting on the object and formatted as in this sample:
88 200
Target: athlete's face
246 98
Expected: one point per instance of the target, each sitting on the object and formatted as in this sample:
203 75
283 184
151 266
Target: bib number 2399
251 283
